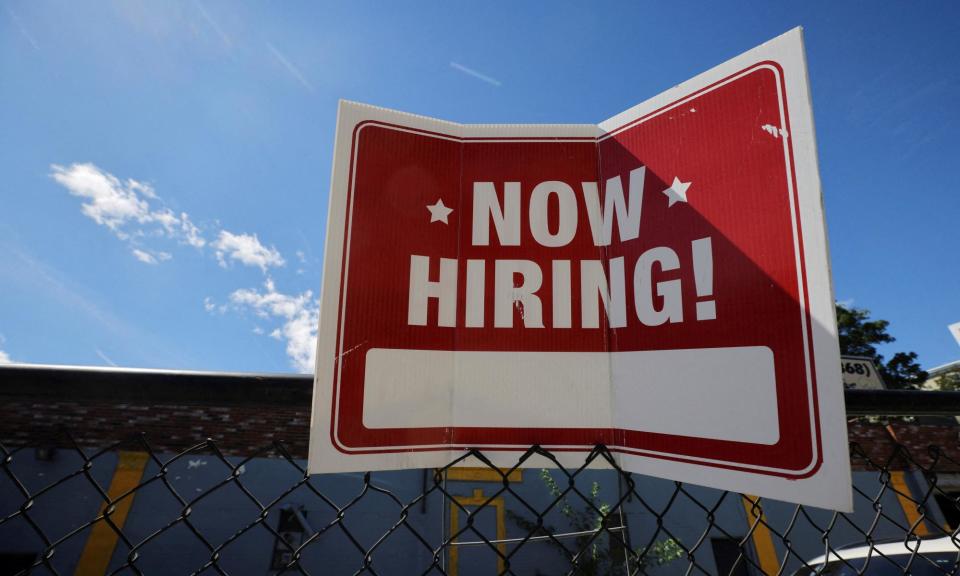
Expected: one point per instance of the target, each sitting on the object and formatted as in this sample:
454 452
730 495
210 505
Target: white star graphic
439 212
677 192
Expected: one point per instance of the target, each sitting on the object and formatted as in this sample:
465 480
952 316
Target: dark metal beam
902 403
124 385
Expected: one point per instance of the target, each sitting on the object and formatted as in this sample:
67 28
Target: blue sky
166 164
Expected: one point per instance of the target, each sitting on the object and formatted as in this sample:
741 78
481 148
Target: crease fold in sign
658 283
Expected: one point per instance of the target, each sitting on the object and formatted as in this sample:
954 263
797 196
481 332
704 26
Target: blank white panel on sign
720 393
438 388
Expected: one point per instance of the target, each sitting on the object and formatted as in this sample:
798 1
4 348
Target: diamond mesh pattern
203 512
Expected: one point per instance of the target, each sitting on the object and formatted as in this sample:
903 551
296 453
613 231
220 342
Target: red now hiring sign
658 283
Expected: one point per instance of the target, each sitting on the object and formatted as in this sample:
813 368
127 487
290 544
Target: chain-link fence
72 501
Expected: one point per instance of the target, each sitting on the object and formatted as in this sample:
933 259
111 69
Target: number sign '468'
860 373
657 283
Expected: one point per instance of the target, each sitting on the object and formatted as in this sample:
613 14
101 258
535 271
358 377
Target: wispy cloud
478 75
246 249
298 315
20 267
151 257
213 308
23 31
179 227
130 209
215 25
293 70
105 358
302 257
144 257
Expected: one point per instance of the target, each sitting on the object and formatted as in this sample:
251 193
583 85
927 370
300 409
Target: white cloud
191 234
142 187
108 201
124 206
298 315
144 257
212 307
151 257
247 249
179 227
134 212
167 219
5 358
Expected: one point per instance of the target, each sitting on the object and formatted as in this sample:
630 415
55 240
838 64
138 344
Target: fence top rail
135 385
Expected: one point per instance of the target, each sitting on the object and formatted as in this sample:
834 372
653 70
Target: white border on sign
828 487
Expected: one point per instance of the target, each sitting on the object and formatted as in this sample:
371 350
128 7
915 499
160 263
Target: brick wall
238 430
243 429
930 444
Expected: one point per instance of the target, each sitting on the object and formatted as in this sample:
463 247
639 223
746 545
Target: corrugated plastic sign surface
658 283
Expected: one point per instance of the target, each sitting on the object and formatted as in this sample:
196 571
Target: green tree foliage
591 521
859 336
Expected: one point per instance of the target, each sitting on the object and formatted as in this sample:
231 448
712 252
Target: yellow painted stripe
762 539
98 550
904 494
483 475
478 499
